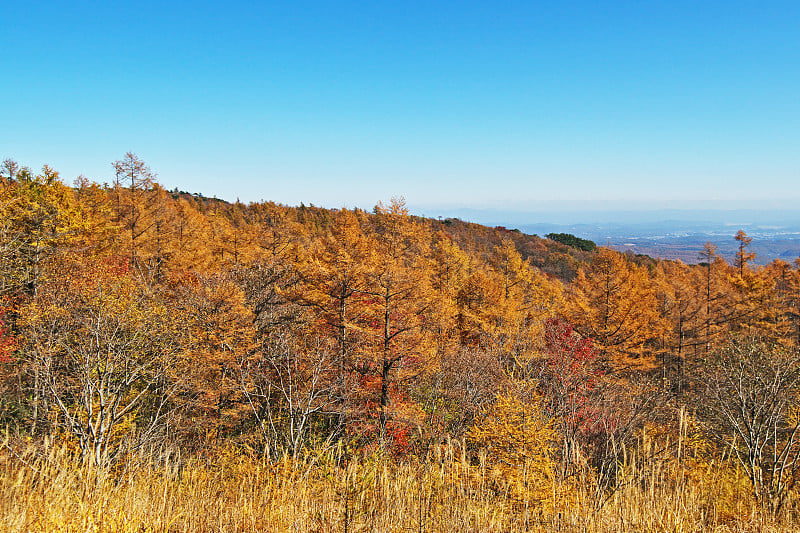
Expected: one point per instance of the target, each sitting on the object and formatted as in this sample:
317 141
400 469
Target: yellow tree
237 241
478 299
133 191
160 243
97 229
395 319
753 300
755 304
218 333
787 299
43 224
794 300
613 302
10 235
41 218
743 256
680 290
450 269
189 247
272 231
716 292
527 299
151 226
333 278
517 438
230 233
101 347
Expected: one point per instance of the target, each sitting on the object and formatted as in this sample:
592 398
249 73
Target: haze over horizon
517 106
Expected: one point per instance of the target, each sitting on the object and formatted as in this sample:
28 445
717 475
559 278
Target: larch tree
189 247
396 315
477 300
753 300
218 332
716 293
133 191
332 276
450 268
787 299
273 230
97 233
743 255
528 298
41 219
161 243
516 437
680 290
613 302
756 304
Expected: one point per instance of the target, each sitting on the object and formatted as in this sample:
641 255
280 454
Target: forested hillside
305 363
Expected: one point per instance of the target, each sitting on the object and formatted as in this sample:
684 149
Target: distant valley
666 234
684 240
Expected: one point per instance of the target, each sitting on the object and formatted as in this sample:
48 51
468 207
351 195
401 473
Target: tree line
132 315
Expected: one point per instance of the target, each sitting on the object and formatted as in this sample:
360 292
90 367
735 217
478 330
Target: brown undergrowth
47 489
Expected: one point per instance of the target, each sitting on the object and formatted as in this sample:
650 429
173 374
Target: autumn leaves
130 313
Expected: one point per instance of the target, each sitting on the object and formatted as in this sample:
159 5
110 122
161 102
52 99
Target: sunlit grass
230 491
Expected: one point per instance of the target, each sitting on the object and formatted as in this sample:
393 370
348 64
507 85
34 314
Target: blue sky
505 105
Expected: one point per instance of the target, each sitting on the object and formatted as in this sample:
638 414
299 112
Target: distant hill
665 233
682 239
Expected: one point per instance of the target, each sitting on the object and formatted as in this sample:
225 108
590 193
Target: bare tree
466 383
621 410
100 353
750 401
289 389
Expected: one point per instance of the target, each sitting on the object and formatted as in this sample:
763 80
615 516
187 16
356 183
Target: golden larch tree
613 302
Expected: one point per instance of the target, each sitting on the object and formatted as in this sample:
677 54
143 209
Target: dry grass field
237 492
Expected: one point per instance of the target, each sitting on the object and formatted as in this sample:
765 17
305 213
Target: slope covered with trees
536 375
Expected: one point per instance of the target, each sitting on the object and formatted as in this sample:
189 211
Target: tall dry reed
47 489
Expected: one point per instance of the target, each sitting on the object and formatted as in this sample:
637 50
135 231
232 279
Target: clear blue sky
518 105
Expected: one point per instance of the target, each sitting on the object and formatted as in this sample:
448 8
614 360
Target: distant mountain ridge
663 233
684 240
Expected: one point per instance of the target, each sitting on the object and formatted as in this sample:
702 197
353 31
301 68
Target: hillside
349 369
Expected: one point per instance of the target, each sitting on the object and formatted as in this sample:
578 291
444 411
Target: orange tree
613 302
395 320
680 292
332 276
527 299
217 332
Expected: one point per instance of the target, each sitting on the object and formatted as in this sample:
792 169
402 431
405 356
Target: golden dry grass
235 492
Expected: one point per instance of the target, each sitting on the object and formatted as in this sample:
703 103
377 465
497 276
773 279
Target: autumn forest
177 363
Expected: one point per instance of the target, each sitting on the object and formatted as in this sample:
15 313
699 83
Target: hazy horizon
485 105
